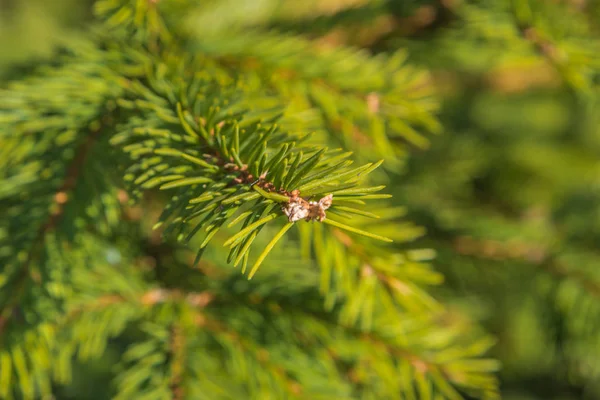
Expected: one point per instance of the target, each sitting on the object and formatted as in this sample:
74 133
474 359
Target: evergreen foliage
510 196
195 202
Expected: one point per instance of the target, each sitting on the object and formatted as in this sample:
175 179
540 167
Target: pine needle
186 182
272 196
246 231
268 249
356 230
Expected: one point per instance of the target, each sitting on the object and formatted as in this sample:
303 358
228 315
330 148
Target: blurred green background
509 193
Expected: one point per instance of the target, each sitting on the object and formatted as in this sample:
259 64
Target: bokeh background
508 194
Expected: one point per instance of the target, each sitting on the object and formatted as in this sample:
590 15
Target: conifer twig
61 198
178 353
531 254
259 354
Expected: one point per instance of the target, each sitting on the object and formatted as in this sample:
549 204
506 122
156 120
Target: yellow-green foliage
195 200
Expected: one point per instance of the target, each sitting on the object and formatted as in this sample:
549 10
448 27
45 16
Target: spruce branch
178 354
433 366
215 307
532 254
61 199
260 354
38 188
390 103
216 160
209 133
370 24
386 279
20 279
55 314
535 32
141 21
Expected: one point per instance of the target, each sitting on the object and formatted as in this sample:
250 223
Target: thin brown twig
177 362
390 283
532 254
260 354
